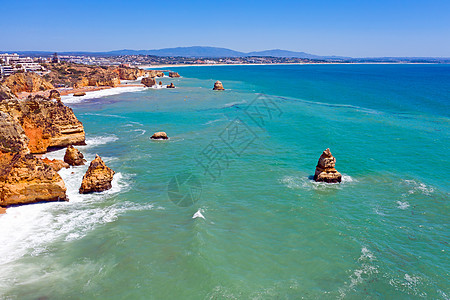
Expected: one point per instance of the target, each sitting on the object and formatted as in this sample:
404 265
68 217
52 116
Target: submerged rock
159 136
73 156
325 171
97 178
148 82
218 86
174 74
171 86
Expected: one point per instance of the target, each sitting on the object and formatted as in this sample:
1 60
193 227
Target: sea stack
148 82
170 86
218 86
97 178
174 74
74 157
325 171
159 136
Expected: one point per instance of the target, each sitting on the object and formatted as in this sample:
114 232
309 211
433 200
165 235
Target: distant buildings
11 63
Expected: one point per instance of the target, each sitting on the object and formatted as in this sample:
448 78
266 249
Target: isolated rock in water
97 178
27 179
148 82
74 157
174 74
171 86
218 86
56 164
55 94
12 136
160 136
79 94
160 83
46 123
325 171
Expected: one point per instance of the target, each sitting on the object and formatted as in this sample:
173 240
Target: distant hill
214 52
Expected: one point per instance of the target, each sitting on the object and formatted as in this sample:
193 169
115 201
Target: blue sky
349 28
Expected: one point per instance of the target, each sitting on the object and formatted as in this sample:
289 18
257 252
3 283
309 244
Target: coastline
149 67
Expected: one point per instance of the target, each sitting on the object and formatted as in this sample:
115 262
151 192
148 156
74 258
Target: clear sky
325 27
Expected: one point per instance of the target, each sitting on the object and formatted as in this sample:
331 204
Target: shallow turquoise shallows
226 209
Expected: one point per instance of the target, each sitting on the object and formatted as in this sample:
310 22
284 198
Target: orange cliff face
23 177
26 82
46 123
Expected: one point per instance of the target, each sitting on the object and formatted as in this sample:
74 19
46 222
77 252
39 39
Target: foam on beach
69 99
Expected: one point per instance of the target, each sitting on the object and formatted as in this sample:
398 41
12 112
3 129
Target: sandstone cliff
46 123
24 178
26 82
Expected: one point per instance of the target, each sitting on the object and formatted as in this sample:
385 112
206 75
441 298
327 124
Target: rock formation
325 170
12 136
160 136
160 83
97 178
56 164
218 86
46 123
154 73
174 74
148 82
74 157
26 179
171 86
55 94
79 94
27 82
6 93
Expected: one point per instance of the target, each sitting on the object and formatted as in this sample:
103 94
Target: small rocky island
325 171
218 86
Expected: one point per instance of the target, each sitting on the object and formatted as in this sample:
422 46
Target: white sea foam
101 93
198 214
234 103
93 141
415 187
296 182
402 205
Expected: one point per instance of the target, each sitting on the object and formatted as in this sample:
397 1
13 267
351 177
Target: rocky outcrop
6 93
159 136
27 82
26 179
97 178
325 171
46 123
81 82
154 73
55 94
148 82
56 164
170 86
218 86
79 94
74 157
106 80
12 136
174 74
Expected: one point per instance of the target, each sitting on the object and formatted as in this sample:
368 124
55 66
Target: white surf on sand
68 99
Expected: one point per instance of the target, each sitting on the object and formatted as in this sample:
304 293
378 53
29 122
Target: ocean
227 208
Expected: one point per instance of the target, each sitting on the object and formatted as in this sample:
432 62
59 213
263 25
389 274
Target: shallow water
244 161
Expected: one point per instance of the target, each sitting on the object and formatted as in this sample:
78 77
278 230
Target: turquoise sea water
269 231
